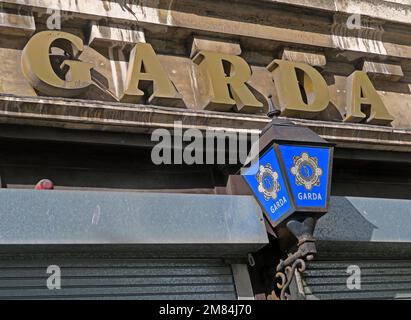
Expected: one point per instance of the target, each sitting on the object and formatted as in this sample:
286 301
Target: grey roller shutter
91 278
380 279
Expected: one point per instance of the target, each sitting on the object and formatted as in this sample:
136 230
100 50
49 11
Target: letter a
361 92
146 76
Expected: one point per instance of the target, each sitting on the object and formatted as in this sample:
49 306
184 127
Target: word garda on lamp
227 76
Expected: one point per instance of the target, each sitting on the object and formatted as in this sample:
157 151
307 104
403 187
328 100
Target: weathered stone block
101 35
385 71
204 44
17 24
313 59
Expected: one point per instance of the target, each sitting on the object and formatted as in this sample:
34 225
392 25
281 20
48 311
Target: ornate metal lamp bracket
295 262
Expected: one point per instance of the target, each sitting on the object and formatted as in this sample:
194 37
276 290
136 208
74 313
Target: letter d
290 78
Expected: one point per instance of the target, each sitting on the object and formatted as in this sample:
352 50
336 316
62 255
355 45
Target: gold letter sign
290 78
301 90
145 72
227 76
37 67
360 91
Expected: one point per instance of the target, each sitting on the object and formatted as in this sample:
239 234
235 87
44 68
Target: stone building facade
72 111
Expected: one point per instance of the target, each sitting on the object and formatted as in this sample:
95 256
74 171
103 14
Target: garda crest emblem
268 183
306 171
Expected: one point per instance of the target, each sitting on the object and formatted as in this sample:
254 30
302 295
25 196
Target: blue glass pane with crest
267 183
307 170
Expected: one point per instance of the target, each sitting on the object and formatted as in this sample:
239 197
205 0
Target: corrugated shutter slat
380 279
118 278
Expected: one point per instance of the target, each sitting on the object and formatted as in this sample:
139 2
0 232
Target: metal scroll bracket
295 262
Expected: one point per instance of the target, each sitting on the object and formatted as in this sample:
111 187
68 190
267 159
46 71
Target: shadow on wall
364 242
356 219
344 222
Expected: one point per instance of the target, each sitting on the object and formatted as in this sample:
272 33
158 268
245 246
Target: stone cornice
395 10
132 118
152 14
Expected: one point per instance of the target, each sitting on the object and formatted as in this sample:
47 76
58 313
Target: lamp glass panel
307 170
268 185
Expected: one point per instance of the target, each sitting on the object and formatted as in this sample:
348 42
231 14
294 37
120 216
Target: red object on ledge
44 184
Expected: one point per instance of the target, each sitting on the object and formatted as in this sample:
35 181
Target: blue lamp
291 180
292 174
